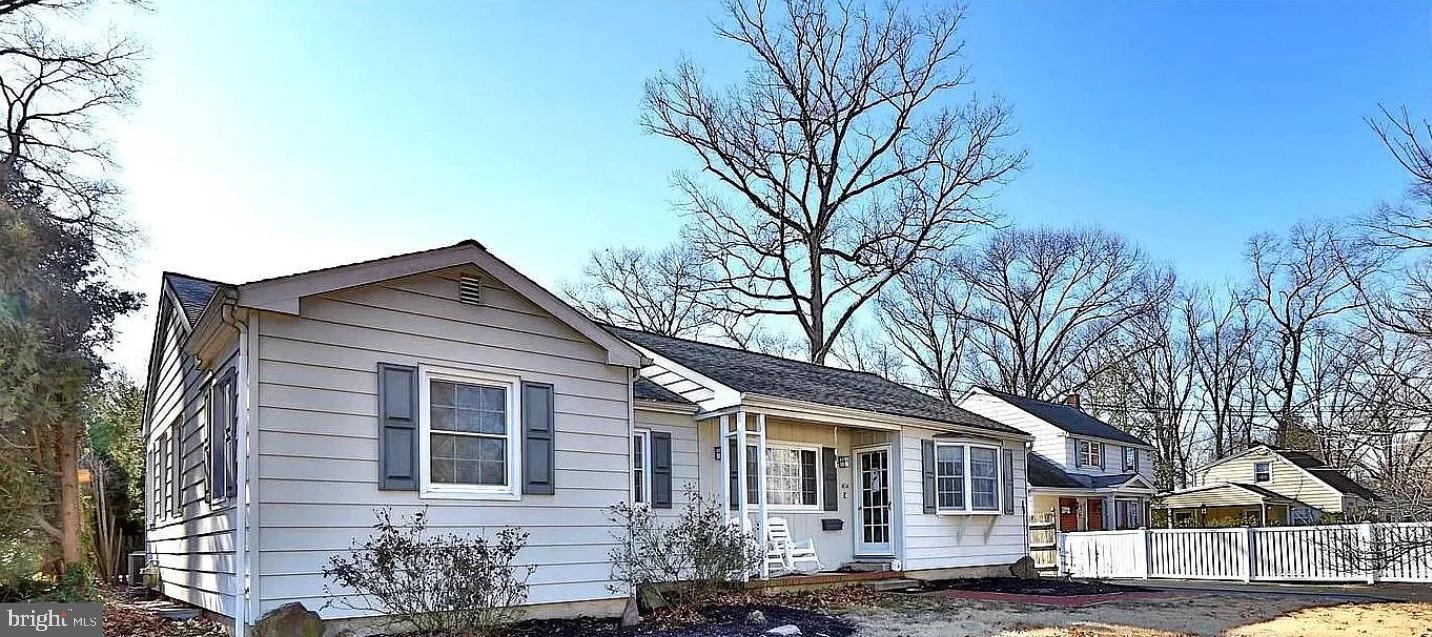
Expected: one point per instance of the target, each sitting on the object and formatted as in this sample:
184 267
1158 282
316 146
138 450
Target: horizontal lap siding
684 454
950 541
1049 441
1288 480
318 432
194 550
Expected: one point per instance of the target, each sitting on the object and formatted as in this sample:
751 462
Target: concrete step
868 566
902 584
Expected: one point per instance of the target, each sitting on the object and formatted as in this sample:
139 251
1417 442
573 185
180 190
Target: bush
441 584
699 553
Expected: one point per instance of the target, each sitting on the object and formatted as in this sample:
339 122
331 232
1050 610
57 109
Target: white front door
874 519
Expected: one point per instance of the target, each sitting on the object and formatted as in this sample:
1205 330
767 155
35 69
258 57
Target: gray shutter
830 488
398 427
1078 455
927 469
214 468
231 436
734 475
660 470
538 439
1008 467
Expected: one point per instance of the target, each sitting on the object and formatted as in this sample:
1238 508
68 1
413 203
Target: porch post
761 487
742 507
723 434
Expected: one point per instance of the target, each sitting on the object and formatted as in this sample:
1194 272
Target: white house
1264 485
1084 474
281 412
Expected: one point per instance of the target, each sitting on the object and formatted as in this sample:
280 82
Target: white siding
1288 479
685 453
318 431
950 541
1049 441
194 550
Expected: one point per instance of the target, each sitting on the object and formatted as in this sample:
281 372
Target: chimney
1072 400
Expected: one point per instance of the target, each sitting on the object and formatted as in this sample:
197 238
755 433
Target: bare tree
1223 331
56 92
841 160
1163 380
1044 302
661 292
866 351
921 317
1301 282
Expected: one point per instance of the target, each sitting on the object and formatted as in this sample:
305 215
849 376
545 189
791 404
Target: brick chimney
1072 400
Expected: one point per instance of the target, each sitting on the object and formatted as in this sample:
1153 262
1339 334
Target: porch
835 486
1226 505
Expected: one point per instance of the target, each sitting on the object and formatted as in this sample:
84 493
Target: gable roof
192 292
644 389
750 372
282 294
1067 418
1319 470
1226 494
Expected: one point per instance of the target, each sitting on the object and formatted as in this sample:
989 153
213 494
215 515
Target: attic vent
469 290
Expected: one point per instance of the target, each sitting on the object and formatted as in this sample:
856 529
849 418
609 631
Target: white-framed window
1131 459
156 480
1128 514
1091 454
469 443
967 478
1262 472
641 466
223 442
792 477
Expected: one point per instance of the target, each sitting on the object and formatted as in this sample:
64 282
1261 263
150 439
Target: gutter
241 437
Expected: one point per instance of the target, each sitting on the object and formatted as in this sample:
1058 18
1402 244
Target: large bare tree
921 316
1044 302
661 291
1224 330
848 153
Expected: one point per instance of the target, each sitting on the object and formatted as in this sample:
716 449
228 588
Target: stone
1024 568
649 598
289 620
755 618
785 631
631 614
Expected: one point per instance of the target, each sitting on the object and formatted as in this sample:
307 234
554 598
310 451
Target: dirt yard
1240 615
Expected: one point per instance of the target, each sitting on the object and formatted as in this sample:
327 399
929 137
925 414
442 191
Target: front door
1068 515
873 508
1096 515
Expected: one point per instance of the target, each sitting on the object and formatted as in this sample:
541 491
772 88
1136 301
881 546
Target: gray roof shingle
750 372
1044 473
1070 419
1332 477
644 389
193 293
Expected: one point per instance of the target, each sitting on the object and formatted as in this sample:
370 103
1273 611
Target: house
1264 485
1084 474
280 413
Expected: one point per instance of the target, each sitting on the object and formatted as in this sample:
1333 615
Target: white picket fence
1333 553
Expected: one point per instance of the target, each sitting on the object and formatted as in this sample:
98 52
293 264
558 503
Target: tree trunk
71 518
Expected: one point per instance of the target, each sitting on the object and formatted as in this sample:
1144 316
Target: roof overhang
976 389
283 294
1219 495
665 407
860 418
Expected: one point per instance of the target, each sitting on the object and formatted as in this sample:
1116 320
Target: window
1091 454
1262 472
156 479
469 444
172 470
641 466
223 443
1131 459
792 476
967 478
1128 514
949 477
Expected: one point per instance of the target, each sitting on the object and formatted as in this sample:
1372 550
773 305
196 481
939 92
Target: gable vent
469 290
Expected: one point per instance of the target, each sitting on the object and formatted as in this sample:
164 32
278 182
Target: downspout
241 437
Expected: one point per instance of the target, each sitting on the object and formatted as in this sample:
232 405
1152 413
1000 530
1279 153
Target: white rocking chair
784 555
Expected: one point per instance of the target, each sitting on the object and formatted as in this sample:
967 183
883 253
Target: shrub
441 584
699 553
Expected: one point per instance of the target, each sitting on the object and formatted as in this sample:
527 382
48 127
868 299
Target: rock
756 618
289 620
785 631
631 615
1024 568
649 598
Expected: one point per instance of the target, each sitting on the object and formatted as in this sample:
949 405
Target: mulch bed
1062 593
720 621
134 614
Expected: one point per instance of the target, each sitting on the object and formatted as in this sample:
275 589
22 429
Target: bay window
967 478
468 442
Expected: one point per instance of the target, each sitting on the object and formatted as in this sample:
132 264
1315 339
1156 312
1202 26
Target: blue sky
277 137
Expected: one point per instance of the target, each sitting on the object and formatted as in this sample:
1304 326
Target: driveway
1193 613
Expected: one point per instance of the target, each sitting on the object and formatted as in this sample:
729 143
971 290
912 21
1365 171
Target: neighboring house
1265 486
281 412
1084 474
